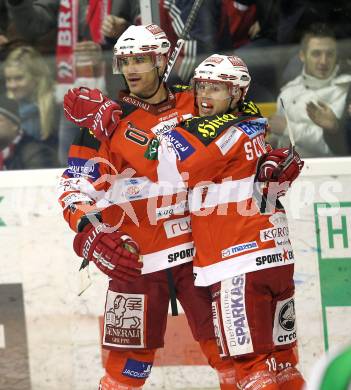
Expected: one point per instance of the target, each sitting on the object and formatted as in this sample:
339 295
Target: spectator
84 34
12 37
202 36
315 100
123 14
28 80
283 21
17 149
9 37
219 26
3 24
297 15
79 56
240 19
263 31
295 18
260 51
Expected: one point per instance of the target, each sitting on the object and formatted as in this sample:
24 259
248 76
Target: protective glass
217 90
135 63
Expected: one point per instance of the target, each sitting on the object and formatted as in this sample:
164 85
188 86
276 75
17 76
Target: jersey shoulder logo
250 108
253 127
207 129
179 88
181 146
126 108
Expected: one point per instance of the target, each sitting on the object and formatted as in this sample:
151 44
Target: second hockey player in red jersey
243 249
105 182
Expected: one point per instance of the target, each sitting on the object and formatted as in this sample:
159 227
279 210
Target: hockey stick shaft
188 25
291 137
290 133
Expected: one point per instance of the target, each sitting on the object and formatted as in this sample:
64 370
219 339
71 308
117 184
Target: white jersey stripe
208 275
168 258
222 193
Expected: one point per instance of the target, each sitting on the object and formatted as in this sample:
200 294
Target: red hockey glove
280 166
115 254
90 108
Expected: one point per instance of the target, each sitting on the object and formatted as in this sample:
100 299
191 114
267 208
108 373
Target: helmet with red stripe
230 70
146 40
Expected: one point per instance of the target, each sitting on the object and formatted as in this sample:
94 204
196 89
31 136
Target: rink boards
49 337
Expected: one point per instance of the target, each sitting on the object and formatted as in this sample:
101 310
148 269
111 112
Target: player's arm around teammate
136 312
243 252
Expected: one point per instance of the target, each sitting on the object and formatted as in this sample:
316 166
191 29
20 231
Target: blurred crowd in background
298 53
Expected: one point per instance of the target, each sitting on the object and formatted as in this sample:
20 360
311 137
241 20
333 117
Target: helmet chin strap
230 105
238 103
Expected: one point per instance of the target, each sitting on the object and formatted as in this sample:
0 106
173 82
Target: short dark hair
316 30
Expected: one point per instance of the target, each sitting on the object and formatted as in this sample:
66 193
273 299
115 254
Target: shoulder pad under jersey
207 129
127 108
179 88
250 108
252 126
86 137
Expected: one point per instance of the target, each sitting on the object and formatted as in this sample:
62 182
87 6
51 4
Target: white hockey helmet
140 41
231 70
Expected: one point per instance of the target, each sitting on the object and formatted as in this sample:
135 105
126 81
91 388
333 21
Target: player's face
136 64
212 98
140 73
19 84
319 57
8 131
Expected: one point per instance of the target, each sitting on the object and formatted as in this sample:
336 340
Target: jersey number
255 147
136 137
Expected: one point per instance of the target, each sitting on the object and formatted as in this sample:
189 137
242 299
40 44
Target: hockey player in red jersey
243 250
119 214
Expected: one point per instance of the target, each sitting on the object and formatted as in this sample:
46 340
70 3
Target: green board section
333 230
2 223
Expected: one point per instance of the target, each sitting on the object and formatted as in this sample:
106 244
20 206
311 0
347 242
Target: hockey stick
188 25
291 137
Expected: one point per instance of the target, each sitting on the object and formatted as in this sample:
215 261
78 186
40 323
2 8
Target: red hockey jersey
110 177
233 229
